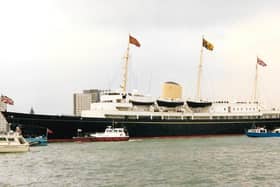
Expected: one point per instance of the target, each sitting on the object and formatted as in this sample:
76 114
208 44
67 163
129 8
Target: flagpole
125 69
47 133
198 95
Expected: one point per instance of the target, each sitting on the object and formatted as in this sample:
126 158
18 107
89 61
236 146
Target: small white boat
111 134
12 143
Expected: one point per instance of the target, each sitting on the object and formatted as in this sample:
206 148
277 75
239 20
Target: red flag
49 131
134 41
261 62
7 100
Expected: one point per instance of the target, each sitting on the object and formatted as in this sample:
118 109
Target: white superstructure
119 105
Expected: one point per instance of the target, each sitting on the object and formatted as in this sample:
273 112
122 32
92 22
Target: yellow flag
207 45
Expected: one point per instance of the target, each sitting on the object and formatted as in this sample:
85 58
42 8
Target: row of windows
9 139
241 109
114 131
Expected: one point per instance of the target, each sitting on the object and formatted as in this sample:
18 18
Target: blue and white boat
37 141
263 132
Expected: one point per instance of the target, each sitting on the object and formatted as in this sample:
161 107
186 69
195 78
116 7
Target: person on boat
18 130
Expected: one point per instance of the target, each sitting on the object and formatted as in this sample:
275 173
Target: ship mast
198 94
126 57
255 99
263 64
210 47
135 42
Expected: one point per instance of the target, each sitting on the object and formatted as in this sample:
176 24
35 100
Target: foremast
125 73
134 41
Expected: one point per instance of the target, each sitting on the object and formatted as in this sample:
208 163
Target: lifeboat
199 104
169 103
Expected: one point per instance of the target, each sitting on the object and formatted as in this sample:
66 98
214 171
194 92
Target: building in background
83 100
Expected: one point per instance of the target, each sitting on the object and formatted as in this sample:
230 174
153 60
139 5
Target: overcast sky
50 50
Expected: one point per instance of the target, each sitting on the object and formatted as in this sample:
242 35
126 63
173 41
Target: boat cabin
115 131
276 130
11 139
258 130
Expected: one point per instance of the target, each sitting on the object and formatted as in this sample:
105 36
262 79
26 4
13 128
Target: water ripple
213 161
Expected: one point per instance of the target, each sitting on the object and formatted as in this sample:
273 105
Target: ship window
156 117
2 139
11 139
131 117
225 109
144 117
113 93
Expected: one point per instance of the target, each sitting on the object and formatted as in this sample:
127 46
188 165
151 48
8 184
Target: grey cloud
162 13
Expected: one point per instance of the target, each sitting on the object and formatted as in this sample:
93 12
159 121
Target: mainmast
198 94
210 47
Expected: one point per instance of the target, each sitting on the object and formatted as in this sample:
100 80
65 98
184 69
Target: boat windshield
21 140
11 139
112 93
2 139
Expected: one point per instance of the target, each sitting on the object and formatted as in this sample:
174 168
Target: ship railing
271 116
192 117
235 117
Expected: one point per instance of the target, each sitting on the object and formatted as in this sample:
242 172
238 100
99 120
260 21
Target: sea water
198 161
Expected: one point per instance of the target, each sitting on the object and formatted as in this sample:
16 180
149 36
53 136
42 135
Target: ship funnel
171 90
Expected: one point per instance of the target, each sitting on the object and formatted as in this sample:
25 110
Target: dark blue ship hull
66 127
